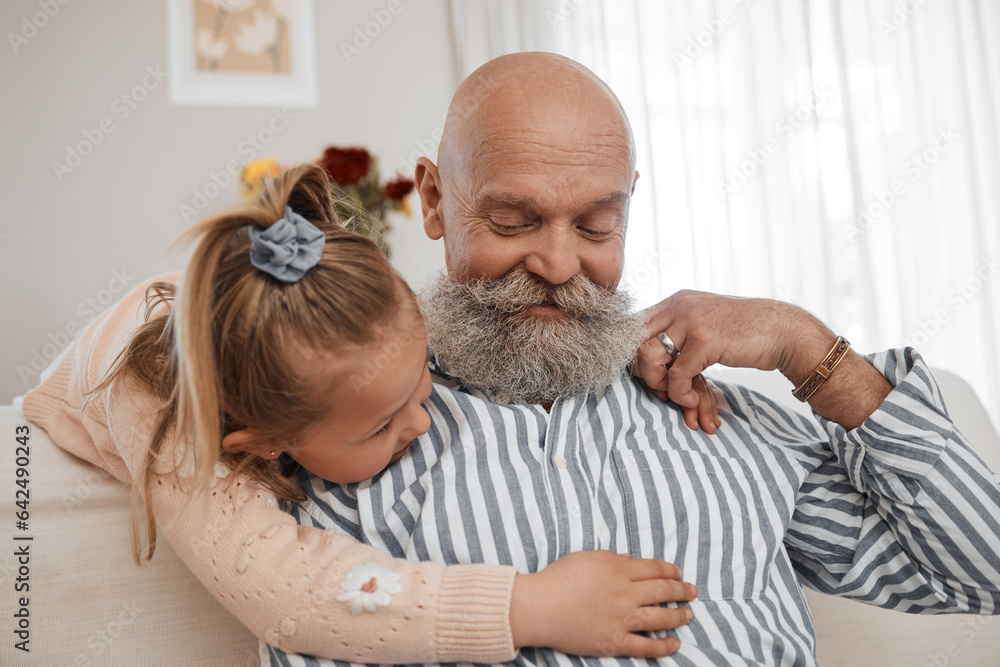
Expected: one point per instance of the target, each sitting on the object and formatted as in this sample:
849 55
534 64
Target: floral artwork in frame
242 52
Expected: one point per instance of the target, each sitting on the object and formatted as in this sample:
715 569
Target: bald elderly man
542 443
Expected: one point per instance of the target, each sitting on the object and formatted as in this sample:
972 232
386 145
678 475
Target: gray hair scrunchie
288 248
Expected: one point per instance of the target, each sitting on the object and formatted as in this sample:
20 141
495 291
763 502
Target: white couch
89 605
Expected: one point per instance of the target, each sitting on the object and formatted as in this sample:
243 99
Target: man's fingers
650 365
708 405
694 416
679 388
681 374
658 317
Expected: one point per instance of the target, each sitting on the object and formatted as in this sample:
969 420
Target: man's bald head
537 93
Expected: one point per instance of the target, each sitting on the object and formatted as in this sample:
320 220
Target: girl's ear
249 440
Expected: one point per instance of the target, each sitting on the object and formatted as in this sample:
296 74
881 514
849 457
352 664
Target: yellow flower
254 174
402 205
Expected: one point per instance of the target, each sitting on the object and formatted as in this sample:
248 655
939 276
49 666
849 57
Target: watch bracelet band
825 368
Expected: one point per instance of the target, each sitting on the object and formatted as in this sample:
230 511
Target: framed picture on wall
242 52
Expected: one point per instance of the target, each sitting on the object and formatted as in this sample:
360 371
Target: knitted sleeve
313 591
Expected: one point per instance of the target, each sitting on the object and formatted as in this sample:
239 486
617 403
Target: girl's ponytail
198 383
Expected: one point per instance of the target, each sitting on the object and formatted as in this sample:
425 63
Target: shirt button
503 399
559 461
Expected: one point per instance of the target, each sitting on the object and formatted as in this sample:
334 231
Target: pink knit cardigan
280 579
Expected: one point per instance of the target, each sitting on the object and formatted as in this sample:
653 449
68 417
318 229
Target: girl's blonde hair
222 359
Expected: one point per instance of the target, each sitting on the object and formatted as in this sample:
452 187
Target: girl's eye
383 430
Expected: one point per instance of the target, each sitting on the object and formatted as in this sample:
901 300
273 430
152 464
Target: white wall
65 246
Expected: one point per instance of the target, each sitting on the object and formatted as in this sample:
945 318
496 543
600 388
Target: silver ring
668 344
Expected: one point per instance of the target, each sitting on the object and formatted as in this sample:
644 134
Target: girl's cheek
426 386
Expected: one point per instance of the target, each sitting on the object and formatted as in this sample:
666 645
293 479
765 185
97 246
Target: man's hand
653 361
595 603
754 333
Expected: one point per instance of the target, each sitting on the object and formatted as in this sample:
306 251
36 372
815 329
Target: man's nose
556 259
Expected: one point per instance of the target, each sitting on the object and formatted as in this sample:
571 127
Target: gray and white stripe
900 512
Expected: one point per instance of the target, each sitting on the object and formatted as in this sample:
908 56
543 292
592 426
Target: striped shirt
900 512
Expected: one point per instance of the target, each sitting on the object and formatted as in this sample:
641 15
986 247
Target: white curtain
844 156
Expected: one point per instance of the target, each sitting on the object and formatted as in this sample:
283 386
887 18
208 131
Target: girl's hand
595 603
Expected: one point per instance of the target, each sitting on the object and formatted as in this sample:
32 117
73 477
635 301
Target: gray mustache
520 290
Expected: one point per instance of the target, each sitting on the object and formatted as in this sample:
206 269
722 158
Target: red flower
398 187
346 166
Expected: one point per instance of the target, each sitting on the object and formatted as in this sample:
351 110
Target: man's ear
249 440
428 182
634 180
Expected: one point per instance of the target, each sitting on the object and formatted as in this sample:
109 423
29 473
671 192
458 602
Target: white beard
482 334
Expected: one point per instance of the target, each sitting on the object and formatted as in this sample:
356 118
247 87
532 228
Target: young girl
291 341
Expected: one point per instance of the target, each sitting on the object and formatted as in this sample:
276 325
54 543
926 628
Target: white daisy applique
369 585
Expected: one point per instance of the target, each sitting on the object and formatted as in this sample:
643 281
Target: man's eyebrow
488 200
615 198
